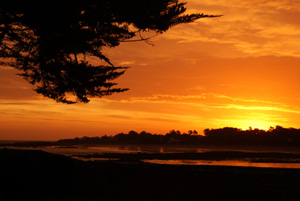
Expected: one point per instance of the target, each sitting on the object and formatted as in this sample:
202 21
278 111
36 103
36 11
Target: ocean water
90 150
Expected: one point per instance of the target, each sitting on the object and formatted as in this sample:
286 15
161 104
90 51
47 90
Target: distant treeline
277 136
133 137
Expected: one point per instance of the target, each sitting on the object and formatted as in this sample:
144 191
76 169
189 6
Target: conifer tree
53 42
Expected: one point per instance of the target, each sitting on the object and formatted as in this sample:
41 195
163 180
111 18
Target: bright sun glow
254 124
239 70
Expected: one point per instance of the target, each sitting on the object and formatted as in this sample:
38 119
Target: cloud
254 27
173 120
18 103
258 108
118 116
211 101
209 73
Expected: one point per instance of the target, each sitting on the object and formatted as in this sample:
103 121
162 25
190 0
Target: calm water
69 151
239 163
116 149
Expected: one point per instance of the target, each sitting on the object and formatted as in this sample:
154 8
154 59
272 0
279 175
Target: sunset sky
239 70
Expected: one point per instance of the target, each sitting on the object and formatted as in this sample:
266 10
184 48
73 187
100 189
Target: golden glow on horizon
240 70
260 124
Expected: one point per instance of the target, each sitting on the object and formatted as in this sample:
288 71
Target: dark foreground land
37 175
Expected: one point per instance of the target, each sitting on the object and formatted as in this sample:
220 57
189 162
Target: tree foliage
227 136
53 42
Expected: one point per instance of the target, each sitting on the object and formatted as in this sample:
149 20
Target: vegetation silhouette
228 136
54 42
277 136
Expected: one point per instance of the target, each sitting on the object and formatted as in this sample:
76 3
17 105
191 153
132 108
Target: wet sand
37 175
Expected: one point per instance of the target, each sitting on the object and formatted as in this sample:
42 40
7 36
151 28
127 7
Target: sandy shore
37 175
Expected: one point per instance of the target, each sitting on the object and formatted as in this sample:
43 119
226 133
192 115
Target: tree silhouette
53 42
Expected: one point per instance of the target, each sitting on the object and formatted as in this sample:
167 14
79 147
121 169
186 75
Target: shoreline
184 156
37 175
254 148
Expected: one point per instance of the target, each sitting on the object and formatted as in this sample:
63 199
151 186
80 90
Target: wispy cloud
173 120
254 27
257 108
213 101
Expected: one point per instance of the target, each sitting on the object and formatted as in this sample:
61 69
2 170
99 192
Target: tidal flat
38 175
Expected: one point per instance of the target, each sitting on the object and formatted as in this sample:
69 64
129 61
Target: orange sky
239 70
